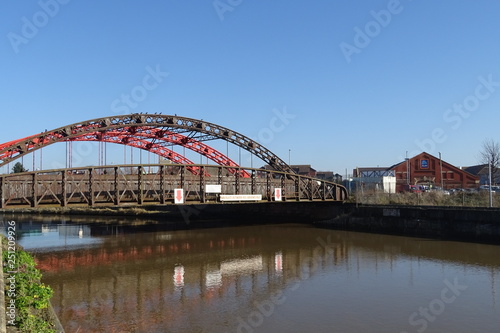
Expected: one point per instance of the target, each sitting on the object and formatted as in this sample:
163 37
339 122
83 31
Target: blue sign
424 164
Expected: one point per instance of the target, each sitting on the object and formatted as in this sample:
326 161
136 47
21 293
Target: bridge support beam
297 188
64 199
34 193
202 184
323 191
183 175
219 176
2 192
282 184
162 184
253 187
268 186
116 189
310 193
91 187
236 182
139 185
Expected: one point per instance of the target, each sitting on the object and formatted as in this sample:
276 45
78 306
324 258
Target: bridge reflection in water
148 280
234 279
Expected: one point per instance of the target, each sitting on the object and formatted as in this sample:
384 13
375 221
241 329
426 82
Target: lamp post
289 153
407 170
489 180
441 174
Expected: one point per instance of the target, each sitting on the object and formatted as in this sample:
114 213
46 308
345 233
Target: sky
336 84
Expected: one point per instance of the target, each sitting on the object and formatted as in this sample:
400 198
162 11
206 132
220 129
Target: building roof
371 171
437 158
477 170
302 168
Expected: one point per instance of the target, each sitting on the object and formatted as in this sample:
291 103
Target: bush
30 296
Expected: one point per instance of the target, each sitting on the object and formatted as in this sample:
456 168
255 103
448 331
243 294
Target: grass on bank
433 198
24 289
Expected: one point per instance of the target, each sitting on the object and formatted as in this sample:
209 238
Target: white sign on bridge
179 196
277 194
241 197
211 188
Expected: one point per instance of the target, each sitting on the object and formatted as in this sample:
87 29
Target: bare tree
490 154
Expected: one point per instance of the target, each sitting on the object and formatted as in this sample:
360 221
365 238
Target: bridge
180 181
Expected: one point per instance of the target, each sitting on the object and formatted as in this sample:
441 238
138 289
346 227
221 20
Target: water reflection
283 278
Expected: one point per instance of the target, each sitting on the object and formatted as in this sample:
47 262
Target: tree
18 167
490 154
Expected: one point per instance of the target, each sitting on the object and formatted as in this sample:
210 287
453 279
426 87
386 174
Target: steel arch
197 129
153 147
160 138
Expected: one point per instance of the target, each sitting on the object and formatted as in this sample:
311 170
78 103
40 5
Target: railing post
311 189
64 201
139 184
34 181
2 192
237 182
183 171
91 187
268 186
202 184
297 188
253 185
162 184
219 175
283 190
116 188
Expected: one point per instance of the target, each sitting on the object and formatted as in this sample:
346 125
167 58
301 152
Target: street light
489 179
441 176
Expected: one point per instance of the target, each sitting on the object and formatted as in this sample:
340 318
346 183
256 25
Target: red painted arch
136 137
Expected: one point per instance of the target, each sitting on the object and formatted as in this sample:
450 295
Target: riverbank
24 300
480 225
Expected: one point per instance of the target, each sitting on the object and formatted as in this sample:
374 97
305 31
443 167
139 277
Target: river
139 276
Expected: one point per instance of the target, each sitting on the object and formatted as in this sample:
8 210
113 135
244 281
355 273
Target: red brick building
426 169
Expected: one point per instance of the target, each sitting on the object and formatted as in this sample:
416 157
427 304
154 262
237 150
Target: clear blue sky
358 83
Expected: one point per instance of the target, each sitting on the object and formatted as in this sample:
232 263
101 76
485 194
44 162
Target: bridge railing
155 184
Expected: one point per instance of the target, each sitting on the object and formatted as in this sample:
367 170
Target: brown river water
271 278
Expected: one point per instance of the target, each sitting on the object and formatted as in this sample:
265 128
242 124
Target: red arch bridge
159 183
